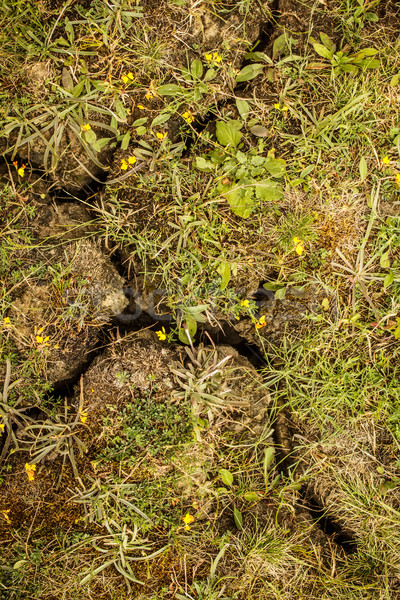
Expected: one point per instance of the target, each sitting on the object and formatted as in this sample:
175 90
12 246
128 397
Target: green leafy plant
243 179
105 500
204 384
120 547
10 415
58 438
342 61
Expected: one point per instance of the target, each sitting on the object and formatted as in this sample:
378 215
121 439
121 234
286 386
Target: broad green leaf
226 476
388 280
395 80
306 171
141 130
327 42
170 89
325 304
268 191
90 136
228 134
279 46
322 51
249 72
241 199
370 63
191 324
196 68
243 108
252 496
363 168
275 166
280 294
139 122
120 110
237 515
397 330
269 454
272 287
210 74
76 92
384 260
99 144
204 165
197 93
160 119
125 140
224 270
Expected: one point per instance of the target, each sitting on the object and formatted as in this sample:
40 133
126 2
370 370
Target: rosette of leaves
342 60
244 179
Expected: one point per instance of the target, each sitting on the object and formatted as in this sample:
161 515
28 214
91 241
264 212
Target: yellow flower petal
30 471
130 75
245 303
86 127
188 518
140 106
132 160
125 79
161 334
21 171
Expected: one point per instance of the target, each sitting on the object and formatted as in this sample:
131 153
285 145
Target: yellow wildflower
125 79
140 106
124 164
386 160
132 160
5 515
245 303
130 75
149 95
2 425
160 135
187 115
214 57
83 416
30 471
298 245
161 334
282 108
86 127
42 340
397 178
261 322
21 171
6 321
187 519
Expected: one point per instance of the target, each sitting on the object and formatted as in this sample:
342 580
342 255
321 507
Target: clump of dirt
280 318
61 319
